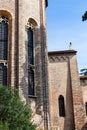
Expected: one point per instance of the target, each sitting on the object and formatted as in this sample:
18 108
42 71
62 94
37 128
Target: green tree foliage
83 72
84 17
14 114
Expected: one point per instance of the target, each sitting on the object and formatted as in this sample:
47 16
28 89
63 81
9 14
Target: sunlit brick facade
48 82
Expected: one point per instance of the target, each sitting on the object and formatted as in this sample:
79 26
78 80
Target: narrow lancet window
61 106
3 49
30 46
30 63
3 38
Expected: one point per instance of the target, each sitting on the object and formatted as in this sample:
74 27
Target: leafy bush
14 114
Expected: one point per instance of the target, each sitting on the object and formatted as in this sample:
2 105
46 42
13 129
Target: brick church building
48 81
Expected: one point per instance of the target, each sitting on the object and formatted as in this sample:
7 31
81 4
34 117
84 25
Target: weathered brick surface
83 82
64 80
79 113
9 7
21 11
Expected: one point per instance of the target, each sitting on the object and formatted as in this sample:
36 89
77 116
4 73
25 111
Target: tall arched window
30 63
3 49
31 25
61 106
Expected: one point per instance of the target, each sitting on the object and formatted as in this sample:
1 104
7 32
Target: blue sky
64 25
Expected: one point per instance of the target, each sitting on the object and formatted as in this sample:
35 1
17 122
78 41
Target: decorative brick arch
32 23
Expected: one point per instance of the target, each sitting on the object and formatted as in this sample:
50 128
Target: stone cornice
83 77
60 56
63 52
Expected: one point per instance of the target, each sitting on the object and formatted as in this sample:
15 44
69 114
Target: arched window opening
61 106
30 62
31 25
86 108
3 49
30 47
3 38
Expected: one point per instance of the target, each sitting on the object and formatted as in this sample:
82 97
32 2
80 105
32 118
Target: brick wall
83 83
21 11
64 80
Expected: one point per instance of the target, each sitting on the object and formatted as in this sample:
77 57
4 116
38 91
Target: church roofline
83 77
62 52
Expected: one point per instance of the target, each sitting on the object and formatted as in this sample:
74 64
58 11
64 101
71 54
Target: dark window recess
61 106
30 46
31 82
3 74
3 49
3 40
30 61
86 108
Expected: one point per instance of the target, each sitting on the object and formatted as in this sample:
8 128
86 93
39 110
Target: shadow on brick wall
24 82
69 117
